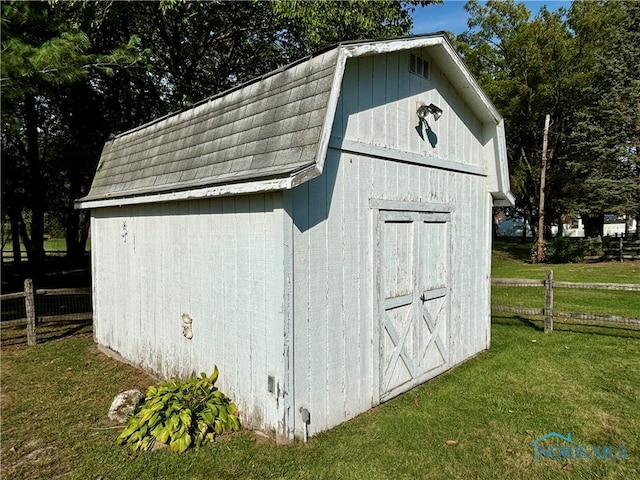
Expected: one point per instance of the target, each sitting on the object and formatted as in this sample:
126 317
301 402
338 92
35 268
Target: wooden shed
321 233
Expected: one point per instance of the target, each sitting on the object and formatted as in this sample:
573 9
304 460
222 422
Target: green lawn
55 397
50 245
511 259
585 382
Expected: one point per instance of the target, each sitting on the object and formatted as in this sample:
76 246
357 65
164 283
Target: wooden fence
548 311
31 307
618 249
7 255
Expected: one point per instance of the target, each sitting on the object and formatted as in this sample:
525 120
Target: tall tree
581 66
605 141
42 57
74 73
35 58
524 65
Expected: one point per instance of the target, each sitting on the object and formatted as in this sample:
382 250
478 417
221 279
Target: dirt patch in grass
34 459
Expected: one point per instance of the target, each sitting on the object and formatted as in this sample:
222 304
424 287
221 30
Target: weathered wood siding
221 262
377 107
335 318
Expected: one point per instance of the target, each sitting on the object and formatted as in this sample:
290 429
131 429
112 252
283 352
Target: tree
524 66
204 48
581 66
74 73
42 56
605 140
35 58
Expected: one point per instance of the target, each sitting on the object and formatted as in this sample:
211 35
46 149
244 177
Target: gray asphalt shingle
261 129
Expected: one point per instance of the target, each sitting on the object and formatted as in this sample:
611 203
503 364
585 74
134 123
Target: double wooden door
413 298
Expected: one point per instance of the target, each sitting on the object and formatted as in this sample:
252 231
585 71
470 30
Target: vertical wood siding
262 274
334 276
220 261
378 107
334 229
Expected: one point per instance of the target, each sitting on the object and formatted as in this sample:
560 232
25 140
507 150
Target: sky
452 16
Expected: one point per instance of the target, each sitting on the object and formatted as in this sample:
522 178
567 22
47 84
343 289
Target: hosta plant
181 414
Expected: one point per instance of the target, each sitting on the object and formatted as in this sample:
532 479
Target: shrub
565 250
181 414
593 246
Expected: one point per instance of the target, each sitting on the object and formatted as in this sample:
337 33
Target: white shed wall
378 107
220 261
263 275
335 364
334 315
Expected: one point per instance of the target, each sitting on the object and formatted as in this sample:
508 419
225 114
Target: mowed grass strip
55 397
511 260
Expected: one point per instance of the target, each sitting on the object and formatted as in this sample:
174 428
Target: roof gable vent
418 65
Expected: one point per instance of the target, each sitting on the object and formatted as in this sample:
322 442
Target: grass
50 245
55 396
46 332
511 259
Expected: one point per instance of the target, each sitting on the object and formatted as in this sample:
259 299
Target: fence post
30 307
548 302
621 248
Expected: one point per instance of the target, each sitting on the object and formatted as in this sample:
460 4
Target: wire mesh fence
608 303
63 305
530 297
44 306
13 309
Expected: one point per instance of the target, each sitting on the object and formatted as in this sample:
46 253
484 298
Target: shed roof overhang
269 134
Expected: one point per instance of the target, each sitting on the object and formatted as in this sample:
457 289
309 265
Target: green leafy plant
181 414
593 246
565 250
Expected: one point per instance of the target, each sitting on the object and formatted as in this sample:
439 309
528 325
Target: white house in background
613 227
325 230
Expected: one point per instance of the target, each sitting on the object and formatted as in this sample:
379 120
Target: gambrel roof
269 134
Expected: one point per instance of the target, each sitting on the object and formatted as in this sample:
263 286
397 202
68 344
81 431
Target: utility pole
543 177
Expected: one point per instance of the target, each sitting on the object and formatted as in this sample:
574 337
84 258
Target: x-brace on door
413 298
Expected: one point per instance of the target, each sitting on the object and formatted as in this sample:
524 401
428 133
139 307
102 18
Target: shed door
413 298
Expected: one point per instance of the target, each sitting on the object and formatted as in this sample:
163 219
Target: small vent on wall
419 66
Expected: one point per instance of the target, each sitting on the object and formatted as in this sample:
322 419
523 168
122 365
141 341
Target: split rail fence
548 310
34 307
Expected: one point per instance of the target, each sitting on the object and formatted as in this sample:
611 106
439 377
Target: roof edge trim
332 105
246 188
503 199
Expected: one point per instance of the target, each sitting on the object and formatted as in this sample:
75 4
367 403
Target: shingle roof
267 128
268 134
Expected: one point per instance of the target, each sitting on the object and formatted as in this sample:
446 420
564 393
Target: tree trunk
77 234
531 219
72 236
593 225
14 220
76 225
35 244
85 222
15 240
